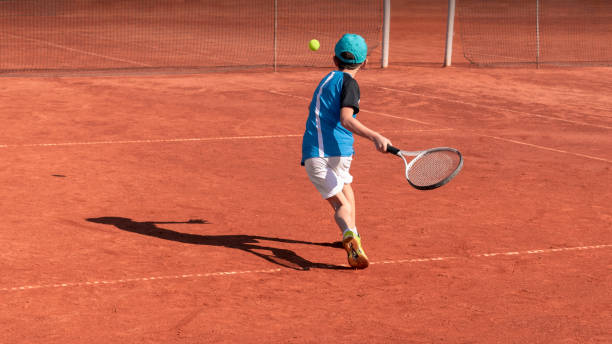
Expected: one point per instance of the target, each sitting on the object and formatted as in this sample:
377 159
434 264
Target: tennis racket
432 168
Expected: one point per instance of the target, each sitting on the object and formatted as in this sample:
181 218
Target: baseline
545 148
232 273
194 139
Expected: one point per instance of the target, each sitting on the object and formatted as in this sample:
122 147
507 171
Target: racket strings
433 168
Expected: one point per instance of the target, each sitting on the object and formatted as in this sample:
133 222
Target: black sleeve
349 97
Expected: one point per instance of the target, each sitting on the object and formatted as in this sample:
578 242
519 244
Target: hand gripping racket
430 168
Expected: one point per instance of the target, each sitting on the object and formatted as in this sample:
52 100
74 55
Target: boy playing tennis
327 146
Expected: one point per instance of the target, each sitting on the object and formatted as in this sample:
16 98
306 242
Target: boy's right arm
355 126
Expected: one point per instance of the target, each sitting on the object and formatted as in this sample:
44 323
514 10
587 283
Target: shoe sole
355 259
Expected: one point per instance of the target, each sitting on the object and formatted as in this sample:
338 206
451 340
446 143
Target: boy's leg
343 204
332 179
346 201
350 196
343 210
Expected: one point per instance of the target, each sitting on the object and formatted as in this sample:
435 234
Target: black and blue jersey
325 136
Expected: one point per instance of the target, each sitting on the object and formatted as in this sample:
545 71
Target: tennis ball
314 45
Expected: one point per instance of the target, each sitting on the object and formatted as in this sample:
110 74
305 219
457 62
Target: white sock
354 230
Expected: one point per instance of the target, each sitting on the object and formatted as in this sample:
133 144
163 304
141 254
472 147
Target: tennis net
103 35
539 32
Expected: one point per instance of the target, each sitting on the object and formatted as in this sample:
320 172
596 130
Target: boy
327 146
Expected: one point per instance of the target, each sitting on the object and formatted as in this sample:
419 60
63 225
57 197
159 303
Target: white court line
195 139
286 136
361 110
545 148
494 108
495 254
452 101
483 135
397 117
138 279
220 138
231 273
77 50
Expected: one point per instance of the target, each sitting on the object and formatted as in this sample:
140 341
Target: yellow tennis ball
314 45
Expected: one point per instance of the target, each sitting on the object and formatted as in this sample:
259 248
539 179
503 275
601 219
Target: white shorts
329 175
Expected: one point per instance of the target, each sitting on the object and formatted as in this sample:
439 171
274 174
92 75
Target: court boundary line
298 135
545 148
447 100
194 139
270 271
475 132
109 142
361 110
493 107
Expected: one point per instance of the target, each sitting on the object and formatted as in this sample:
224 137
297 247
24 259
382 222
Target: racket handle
392 149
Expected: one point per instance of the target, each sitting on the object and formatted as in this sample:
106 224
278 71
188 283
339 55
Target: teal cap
353 44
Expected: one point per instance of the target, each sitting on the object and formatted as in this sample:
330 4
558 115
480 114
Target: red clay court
171 208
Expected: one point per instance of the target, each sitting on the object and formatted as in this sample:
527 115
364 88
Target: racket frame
419 154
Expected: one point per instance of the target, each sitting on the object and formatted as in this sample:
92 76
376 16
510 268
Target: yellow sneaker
356 256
